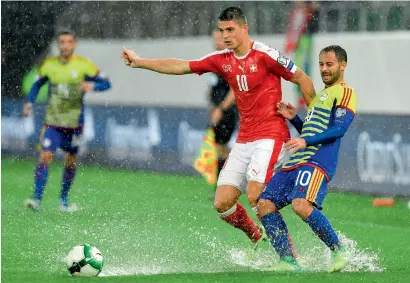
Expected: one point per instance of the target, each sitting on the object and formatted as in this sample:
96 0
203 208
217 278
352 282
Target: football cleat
286 264
33 204
340 259
64 207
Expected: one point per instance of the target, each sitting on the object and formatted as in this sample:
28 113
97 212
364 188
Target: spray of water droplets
218 256
315 258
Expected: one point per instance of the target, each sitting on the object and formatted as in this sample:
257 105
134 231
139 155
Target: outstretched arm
163 66
101 83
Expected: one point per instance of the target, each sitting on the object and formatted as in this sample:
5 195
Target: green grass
164 226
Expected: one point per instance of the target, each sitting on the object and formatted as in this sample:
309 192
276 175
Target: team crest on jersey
324 96
282 59
340 112
254 68
227 68
46 142
74 74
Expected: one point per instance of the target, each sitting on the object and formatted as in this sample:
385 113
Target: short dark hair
66 32
340 53
233 14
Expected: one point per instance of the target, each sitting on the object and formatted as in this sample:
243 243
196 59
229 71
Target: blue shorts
305 182
52 138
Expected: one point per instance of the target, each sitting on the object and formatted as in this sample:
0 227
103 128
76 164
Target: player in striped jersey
304 178
70 77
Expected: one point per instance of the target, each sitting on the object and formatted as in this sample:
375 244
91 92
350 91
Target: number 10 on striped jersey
303 178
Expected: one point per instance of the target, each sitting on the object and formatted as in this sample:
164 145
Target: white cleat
69 208
33 204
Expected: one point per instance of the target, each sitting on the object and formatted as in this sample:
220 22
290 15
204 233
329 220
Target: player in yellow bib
69 76
303 180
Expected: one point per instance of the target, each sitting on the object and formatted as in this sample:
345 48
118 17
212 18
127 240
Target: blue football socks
277 232
40 180
68 178
322 228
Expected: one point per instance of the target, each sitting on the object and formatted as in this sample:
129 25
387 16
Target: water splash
314 258
219 256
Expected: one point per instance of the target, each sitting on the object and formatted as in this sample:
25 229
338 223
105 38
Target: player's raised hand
286 110
130 58
295 144
27 109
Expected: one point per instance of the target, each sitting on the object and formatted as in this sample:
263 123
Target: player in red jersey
254 71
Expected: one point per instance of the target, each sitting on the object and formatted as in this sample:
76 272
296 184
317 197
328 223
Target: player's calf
40 180
231 211
253 192
69 172
276 230
319 224
41 174
302 207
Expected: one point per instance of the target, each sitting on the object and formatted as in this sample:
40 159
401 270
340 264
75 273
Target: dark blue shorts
305 182
52 138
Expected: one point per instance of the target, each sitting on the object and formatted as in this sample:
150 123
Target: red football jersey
256 81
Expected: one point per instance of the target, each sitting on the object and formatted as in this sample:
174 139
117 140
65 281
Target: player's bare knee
265 206
46 157
223 205
302 207
226 197
218 205
253 199
254 191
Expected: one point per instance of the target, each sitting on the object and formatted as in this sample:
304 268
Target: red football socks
241 220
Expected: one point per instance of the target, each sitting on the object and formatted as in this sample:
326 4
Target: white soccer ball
84 260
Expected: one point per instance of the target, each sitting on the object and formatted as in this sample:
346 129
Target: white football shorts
253 161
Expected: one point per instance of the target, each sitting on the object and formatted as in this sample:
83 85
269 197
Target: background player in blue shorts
70 76
304 179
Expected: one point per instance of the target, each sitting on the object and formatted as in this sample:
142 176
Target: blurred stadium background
156 123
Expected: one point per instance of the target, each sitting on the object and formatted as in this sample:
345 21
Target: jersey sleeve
40 80
90 69
346 104
206 64
43 69
279 65
347 100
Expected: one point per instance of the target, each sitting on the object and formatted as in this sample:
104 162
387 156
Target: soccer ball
84 260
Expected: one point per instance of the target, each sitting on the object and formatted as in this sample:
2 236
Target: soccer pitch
163 228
